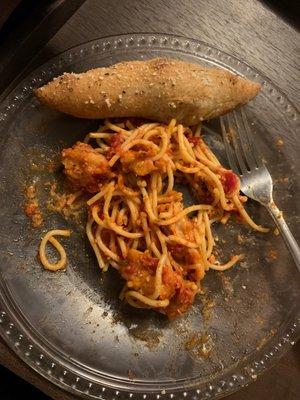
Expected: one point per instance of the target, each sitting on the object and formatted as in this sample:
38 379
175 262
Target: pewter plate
70 326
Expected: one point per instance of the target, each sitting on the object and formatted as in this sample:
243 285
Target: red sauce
115 143
193 139
178 251
149 262
230 182
186 295
131 270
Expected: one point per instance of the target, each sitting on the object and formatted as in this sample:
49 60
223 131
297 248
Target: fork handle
287 235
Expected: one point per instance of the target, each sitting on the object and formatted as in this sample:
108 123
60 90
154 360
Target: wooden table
255 31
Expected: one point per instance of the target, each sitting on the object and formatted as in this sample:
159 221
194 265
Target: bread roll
158 89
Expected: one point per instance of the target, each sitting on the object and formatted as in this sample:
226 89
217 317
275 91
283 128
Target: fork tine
244 142
249 137
229 152
236 141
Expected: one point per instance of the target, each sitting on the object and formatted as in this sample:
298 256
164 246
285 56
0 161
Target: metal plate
71 327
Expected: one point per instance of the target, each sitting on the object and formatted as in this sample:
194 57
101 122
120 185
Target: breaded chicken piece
139 270
85 167
157 89
137 162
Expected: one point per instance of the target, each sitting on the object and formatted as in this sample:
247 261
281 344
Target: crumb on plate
31 207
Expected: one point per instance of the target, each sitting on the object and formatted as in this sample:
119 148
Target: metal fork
256 181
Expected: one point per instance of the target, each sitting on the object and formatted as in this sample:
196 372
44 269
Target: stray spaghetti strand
49 237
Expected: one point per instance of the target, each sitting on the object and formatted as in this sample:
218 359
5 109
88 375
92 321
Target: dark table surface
262 33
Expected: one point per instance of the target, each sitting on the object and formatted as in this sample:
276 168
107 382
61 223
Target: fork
256 181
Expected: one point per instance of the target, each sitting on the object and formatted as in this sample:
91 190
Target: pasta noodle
49 237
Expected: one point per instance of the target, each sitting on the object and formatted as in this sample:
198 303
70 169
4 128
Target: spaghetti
49 237
137 222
